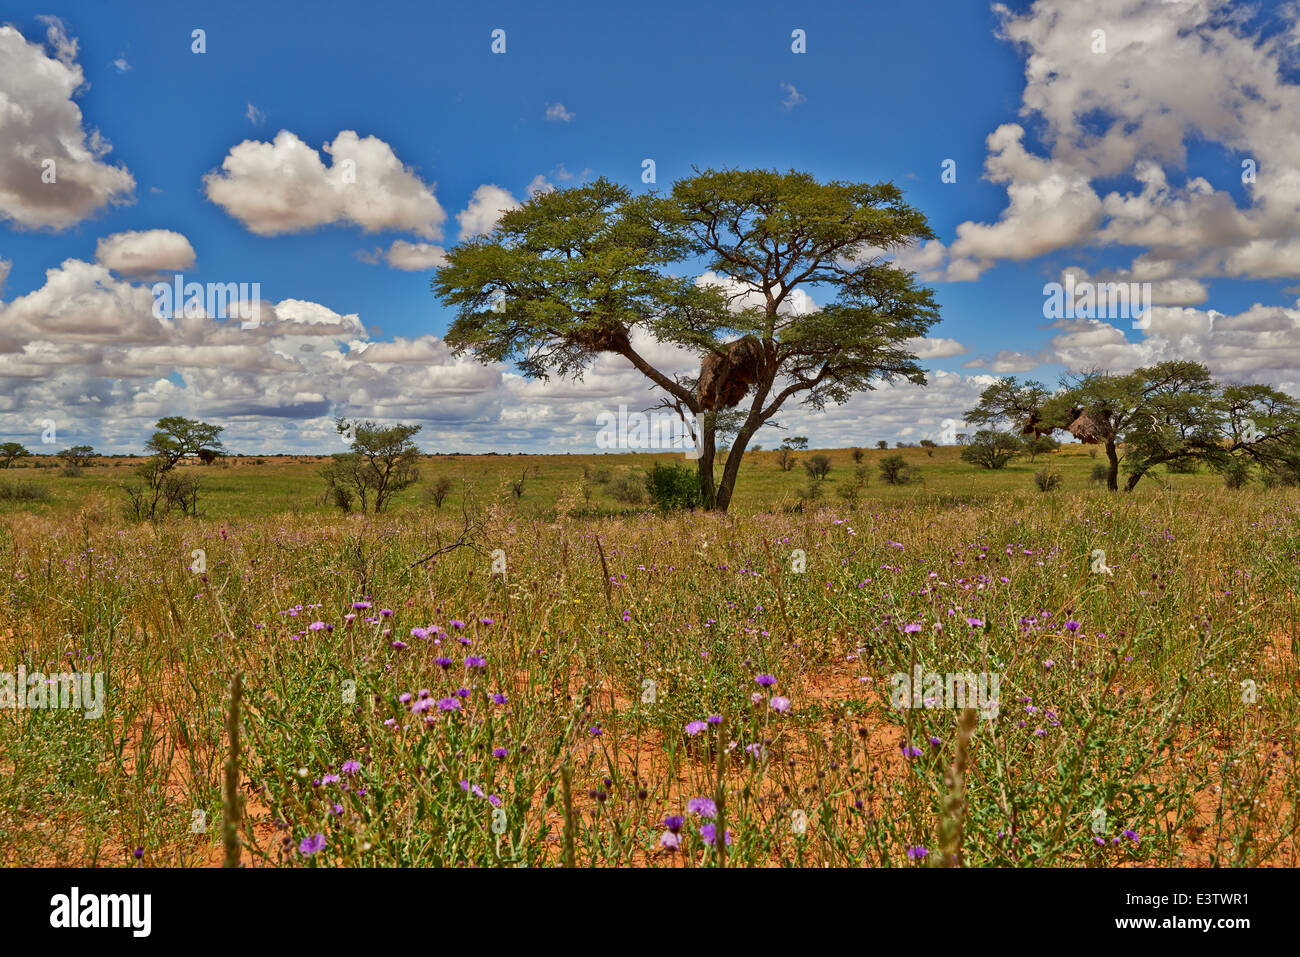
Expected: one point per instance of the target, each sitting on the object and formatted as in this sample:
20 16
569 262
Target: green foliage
77 457
1171 414
381 464
175 437
818 467
9 452
1237 473
23 492
574 272
991 450
1037 445
160 488
628 488
1008 401
672 487
437 492
895 471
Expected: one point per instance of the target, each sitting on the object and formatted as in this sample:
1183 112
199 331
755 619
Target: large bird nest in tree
600 339
1034 426
1089 429
725 376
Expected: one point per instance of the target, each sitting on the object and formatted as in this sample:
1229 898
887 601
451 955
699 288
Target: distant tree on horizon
381 463
175 437
10 452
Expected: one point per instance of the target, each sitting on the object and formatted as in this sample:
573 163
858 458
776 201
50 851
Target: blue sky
1111 162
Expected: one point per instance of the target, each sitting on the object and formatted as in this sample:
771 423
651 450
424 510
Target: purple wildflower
703 806
709 833
310 845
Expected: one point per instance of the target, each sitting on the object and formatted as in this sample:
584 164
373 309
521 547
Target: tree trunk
707 449
1112 477
732 469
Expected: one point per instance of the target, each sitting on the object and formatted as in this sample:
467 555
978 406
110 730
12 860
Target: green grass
1136 721
292 484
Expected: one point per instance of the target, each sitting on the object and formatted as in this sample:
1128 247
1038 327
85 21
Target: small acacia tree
175 437
160 487
1037 445
77 457
991 450
382 463
11 451
580 272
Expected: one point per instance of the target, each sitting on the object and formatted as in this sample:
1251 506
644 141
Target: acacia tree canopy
575 273
382 462
9 451
176 437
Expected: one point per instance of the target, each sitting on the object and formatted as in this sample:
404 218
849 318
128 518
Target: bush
818 466
437 492
852 491
381 463
517 485
1037 445
785 459
1286 475
991 450
1099 473
1047 480
857 454
895 471
628 488
160 489
1236 474
673 487
23 492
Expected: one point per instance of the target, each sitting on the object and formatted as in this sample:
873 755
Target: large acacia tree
574 273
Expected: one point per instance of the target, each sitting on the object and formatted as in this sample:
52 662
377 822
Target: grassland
1148 714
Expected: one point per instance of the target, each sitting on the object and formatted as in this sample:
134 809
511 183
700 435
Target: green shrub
895 471
992 450
436 493
818 466
1047 480
23 492
673 487
1236 474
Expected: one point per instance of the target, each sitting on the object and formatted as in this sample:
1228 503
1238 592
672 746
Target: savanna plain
541 669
